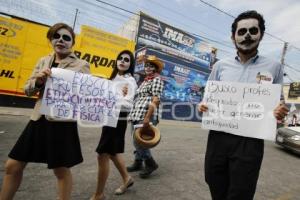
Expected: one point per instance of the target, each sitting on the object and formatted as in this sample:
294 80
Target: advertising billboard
155 34
183 85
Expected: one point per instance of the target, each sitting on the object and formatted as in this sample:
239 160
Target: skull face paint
247 35
62 42
123 62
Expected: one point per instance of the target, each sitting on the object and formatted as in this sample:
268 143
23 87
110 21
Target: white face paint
62 42
149 68
123 63
247 35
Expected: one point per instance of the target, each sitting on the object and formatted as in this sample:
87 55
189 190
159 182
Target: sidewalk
15 111
180 156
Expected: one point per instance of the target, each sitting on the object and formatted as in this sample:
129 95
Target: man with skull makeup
232 162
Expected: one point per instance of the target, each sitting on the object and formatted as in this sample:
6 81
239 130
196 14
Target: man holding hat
145 110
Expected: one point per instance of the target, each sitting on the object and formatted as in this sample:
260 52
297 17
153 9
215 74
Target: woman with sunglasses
111 145
145 110
53 143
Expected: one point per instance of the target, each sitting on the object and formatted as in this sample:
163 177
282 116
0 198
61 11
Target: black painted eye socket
150 65
253 31
125 59
64 37
243 31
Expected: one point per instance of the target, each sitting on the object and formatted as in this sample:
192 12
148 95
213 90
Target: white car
289 137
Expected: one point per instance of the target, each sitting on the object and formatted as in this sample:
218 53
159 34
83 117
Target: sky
193 16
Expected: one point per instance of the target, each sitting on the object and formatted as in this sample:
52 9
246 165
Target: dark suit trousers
232 165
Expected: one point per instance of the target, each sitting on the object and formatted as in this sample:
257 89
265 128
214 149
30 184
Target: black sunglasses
148 64
64 37
125 59
252 31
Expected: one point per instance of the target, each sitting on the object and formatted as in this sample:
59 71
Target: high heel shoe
122 189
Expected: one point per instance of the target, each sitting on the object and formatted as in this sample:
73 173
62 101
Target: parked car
289 138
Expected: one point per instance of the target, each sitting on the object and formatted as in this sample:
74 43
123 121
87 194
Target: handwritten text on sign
241 108
81 97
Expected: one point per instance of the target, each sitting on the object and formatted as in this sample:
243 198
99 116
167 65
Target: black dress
113 139
54 143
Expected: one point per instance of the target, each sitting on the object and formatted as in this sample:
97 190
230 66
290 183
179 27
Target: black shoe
137 165
150 166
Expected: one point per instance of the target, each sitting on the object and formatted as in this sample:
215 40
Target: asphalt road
180 156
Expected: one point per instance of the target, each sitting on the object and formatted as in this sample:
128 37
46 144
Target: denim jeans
141 153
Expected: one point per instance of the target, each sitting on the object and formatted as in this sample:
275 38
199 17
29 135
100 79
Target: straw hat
155 60
147 139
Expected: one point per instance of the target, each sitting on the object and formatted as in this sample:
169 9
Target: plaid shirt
143 98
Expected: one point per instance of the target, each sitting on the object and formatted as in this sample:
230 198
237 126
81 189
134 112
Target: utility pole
75 19
285 46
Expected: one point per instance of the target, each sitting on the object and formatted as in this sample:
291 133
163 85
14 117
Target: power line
96 21
115 11
215 41
230 15
206 38
104 16
166 17
117 7
288 76
293 68
187 17
107 9
203 37
292 46
214 7
64 12
35 11
200 36
197 35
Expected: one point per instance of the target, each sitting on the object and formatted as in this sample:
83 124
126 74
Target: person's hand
146 123
280 112
125 90
42 76
202 107
146 127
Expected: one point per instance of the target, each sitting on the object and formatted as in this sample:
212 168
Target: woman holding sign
53 143
111 145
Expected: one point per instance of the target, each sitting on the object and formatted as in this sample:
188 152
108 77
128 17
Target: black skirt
112 139
54 143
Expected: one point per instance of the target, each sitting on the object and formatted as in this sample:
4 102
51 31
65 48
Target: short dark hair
53 29
130 70
247 15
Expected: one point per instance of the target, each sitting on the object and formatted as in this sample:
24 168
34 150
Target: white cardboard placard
241 108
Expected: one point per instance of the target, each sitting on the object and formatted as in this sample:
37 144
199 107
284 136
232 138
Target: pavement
12 111
180 175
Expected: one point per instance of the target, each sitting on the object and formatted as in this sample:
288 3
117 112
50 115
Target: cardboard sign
241 108
82 97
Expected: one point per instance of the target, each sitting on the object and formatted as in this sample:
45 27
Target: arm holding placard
280 112
37 79
202 107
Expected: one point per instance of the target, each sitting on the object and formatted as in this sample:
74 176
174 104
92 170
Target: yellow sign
22 43
100 49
